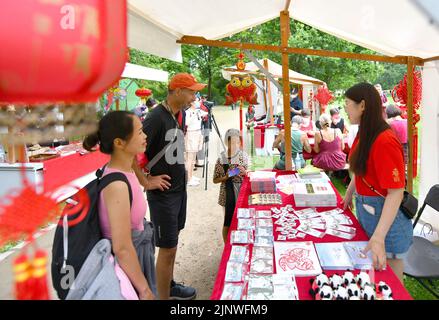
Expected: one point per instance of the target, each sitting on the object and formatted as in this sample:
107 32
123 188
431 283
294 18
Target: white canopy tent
393 28
133 71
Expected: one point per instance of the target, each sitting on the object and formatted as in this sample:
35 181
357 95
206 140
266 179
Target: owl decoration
241 88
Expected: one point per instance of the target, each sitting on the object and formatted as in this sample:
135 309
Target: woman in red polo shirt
377 161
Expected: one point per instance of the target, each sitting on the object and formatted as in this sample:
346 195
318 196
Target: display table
52 173
303 283
62 170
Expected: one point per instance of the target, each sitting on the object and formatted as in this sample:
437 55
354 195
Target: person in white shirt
193 139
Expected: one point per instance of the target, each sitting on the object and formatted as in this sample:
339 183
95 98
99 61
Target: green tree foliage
206 62
392 75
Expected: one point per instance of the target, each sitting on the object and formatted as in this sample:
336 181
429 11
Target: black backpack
72 245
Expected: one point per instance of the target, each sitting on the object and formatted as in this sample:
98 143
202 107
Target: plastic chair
422 260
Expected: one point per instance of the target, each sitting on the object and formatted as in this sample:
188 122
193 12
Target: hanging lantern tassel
40 290
23 272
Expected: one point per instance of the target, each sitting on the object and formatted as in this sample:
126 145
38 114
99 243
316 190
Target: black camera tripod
206 133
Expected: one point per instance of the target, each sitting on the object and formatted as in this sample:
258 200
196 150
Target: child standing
230 168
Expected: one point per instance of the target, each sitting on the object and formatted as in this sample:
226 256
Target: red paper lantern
143 92
61 50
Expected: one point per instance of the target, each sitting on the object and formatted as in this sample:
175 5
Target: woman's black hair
372 124
115 124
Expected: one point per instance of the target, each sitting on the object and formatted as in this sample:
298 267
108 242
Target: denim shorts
399 238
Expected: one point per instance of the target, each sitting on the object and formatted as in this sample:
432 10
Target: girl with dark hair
120 135
377 162
230 169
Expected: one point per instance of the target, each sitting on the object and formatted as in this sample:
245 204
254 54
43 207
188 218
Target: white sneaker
196 179
193 183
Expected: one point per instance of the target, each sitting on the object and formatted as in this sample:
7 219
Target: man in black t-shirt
166 183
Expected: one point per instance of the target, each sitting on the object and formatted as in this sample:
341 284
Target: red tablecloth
303 284
62 170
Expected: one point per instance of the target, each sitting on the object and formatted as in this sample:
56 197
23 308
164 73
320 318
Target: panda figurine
354 298
325 293
384 291
353 290
318 282
321 280
335 281
348 278
341 293
362 279
368 293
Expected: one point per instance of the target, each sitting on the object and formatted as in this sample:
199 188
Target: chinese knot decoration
323 97
399 94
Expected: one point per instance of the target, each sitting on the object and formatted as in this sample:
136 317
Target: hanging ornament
23 212
323 97
399 94
241 87
31 276
144 94
23 277
61 50
240 65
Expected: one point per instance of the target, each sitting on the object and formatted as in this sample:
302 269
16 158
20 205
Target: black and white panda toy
348 278
368 293
325 293
362 279
335 281
353 290
384 291
318 282
341 293
321 280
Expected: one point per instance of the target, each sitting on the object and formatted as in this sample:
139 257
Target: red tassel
40 290
23 272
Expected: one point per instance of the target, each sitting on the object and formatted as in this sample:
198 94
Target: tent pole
270 99
285 34
410 66
266 83
303 51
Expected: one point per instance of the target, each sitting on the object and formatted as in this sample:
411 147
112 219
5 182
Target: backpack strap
112 177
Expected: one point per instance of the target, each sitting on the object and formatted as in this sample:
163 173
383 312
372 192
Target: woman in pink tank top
399 126
120 134
329 153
